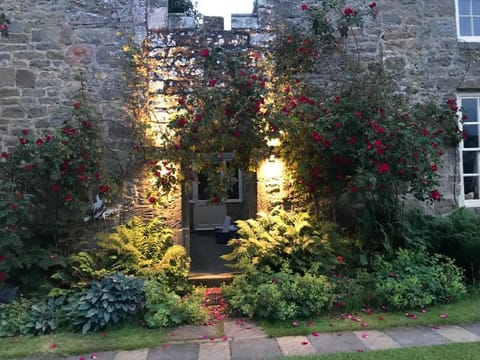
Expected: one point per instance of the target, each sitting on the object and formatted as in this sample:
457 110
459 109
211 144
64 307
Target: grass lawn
64 344
135 337
443 352
463 311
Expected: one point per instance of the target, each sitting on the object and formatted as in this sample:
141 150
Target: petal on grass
444 316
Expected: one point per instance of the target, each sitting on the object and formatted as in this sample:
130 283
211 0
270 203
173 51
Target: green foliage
47 315
47 182
456 236
173 270
415 279
13 317
278 295
227 115
283 238
136 248
166 308
115 298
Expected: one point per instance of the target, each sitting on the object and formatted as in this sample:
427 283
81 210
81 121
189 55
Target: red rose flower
348 11
435 195
152 199
372 5
25 132
68 198
4 155
103 189
182 122
76 105
340 259
304 7
3 276
23 141
383 168
39 142
204 53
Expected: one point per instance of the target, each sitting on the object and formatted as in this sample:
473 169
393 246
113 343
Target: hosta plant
115 298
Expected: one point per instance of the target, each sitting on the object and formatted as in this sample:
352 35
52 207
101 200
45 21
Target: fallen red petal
305 343
444 316
315 334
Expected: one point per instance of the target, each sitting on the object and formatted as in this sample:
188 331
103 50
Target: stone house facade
57 47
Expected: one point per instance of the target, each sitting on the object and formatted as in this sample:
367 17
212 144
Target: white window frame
470 38
471 203
226 157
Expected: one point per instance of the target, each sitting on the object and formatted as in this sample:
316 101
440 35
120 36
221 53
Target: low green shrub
278 295
116 297
47 315
13 317
172 270
413 278
458 237
166 308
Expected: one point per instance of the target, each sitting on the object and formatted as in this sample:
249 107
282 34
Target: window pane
476 7
471 132
476 26
465 26
470 162
464 7
469 108
470 187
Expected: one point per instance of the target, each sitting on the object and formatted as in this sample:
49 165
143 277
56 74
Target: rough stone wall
54 46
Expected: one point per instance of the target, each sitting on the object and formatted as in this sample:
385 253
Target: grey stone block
336 342
416 336
7 77
25 78
257 349
174 352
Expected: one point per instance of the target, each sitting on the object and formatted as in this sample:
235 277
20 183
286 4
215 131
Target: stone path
247 341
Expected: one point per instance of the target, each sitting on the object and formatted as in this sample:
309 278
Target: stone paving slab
193 332
473 328
215 351
140 354
174 352
416 336
327 343
242 329
105 355
295 345
376 340
458 334
261 348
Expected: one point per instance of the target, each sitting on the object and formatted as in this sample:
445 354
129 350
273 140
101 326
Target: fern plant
134 248
283 238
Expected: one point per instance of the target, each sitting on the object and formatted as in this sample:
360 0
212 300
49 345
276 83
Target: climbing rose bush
48 182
